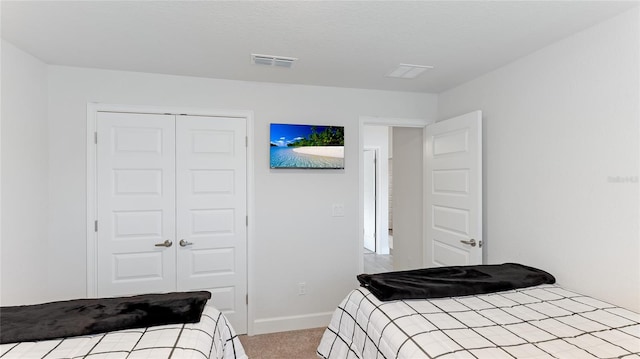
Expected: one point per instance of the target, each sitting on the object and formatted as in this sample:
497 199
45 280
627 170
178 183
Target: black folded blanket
452 281
91 316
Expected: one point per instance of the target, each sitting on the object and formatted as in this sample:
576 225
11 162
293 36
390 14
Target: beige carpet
297 344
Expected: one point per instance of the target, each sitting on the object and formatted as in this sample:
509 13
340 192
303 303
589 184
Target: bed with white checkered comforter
544 321
211 338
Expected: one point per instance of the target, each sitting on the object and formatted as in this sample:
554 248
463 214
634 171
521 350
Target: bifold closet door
136 203
211 211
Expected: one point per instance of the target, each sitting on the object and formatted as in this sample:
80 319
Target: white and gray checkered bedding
211 338
544 321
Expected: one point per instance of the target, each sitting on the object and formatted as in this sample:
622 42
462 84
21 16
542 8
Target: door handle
471 242
184 243
166 243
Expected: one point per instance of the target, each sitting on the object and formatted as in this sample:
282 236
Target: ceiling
338 43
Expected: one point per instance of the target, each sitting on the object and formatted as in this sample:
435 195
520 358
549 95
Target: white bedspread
545 321
212 337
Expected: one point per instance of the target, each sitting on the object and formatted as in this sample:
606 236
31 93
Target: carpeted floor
297 344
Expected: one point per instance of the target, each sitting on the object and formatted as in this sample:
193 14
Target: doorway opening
436 192
378 197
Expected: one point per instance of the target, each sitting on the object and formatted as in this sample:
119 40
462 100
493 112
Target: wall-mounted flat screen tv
306 146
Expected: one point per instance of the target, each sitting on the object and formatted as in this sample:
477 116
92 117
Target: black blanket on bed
452 281
91 316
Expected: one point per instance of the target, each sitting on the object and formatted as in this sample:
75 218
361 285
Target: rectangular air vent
408 71
270 60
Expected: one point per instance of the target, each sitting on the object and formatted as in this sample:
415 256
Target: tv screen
306 146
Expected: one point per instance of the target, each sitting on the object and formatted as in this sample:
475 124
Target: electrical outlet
302 288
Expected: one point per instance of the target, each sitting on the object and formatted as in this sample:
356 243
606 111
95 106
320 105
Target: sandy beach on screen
326 151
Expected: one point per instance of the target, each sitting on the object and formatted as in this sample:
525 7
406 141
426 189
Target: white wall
24 178
560 126
377 137
408 149
296 237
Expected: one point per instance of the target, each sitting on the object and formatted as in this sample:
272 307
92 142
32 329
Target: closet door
211 211
136 203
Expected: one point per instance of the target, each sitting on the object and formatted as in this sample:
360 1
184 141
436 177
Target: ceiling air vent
270 60
408 71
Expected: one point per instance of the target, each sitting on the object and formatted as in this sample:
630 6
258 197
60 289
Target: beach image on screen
306 146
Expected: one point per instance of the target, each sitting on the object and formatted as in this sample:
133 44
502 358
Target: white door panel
211 211
136 191
453 191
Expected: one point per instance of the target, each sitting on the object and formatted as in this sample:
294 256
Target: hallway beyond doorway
377 263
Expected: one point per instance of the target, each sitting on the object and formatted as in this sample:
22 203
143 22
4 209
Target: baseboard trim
295 322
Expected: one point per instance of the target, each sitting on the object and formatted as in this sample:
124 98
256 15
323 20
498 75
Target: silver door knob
184 243
471 242
166 243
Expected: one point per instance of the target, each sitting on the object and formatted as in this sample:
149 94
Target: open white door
370 200
453 191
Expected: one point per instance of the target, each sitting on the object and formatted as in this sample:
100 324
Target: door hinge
95 138
247 221
95 226
246 299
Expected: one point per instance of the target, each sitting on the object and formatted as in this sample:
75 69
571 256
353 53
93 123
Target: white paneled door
211 211
453 191
171 207
136 203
